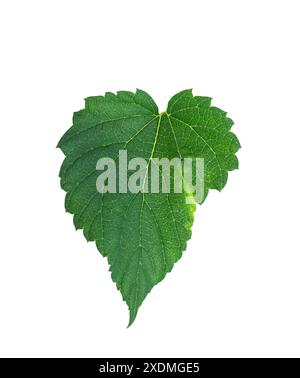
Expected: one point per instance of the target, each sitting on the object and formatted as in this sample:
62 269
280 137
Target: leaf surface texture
141 234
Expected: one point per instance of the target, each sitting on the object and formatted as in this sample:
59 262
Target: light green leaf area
141 234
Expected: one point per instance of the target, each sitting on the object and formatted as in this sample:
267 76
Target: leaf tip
132 317
130 323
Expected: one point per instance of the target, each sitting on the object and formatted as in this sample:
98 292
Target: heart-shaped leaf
142 233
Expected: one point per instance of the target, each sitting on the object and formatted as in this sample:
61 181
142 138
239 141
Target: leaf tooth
125 96
203 101
144 99
110 96
188 93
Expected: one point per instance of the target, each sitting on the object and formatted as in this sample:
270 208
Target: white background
236 290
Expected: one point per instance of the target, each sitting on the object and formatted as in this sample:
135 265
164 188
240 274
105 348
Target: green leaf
141 234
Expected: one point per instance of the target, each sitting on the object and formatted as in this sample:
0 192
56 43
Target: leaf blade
144 234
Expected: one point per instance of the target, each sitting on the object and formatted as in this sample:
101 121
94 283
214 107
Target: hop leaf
141 234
